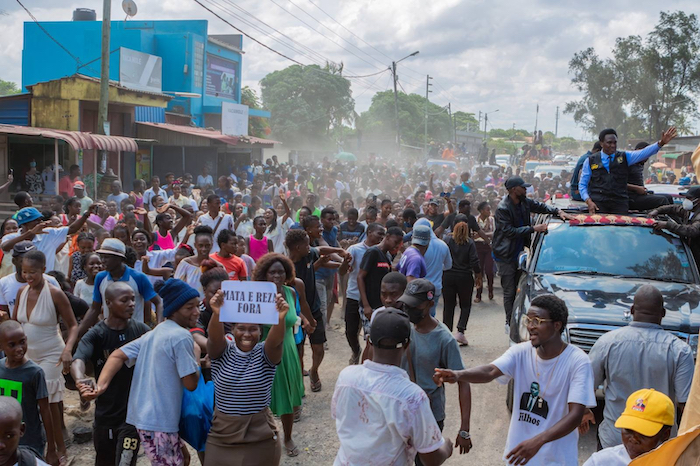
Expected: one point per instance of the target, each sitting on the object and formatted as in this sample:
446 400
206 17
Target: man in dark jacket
640 198
575 194
512 234
685 219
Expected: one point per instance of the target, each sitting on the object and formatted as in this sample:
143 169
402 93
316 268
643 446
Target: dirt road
315 434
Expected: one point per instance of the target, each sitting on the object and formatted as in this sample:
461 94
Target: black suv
597 268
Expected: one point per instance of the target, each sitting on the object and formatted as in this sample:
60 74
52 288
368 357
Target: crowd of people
120 299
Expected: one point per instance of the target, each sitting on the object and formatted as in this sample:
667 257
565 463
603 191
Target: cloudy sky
484 55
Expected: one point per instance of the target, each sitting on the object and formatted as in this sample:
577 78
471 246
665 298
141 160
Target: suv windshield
627 251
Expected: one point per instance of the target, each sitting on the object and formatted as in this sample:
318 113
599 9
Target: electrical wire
324 59
246 34
319 33
77 60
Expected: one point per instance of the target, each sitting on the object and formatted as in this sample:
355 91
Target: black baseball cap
693 193
390 329
417 292
22 248
515 181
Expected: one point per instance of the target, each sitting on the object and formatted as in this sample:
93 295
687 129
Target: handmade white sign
249 302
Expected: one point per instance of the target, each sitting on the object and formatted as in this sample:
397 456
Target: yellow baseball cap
647 411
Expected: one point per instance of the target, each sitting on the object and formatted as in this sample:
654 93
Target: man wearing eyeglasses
552 380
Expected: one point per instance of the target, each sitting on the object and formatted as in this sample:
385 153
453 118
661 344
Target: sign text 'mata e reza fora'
249 302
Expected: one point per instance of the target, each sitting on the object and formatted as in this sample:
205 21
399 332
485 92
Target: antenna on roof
129 7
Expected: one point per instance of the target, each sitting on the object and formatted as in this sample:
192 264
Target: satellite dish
129 7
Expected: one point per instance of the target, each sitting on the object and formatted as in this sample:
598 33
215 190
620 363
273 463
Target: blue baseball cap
26 215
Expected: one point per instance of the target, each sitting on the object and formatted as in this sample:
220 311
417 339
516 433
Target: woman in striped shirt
243 430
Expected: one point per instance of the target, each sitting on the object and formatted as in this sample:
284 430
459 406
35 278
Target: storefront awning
671 155
192 131
75 139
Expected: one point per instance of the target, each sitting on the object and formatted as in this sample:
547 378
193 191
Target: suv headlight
693 343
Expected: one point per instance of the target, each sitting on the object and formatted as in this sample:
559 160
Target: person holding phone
113 438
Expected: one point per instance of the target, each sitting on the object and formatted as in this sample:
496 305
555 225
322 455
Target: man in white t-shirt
553 384
46 240
646 423
10 285
380 415
215 219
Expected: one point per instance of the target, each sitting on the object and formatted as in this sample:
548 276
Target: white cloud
483 55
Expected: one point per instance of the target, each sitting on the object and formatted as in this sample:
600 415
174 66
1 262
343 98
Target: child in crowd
92 265
12 429
258 244
22 379
249 262
112 436
86 245
166 361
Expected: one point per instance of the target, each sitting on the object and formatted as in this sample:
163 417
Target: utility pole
449 111
396 109
427 90
486 122
537 114
454 125
479 120
104 72
556 125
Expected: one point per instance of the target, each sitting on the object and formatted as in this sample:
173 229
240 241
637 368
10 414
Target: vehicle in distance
597 266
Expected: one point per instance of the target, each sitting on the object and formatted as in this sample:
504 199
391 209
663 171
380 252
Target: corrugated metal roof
150 114
194 131
76 139
111 83
14 109
254 140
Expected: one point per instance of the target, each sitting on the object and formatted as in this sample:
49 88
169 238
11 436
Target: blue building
193 62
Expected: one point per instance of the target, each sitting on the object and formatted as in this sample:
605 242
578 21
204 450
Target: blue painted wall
174 41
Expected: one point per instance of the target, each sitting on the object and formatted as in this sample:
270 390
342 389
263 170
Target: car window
614 250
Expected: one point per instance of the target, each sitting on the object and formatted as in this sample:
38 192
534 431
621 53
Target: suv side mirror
522 260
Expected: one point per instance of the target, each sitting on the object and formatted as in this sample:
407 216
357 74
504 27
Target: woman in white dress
39 305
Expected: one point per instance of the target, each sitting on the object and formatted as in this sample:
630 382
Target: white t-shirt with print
540 402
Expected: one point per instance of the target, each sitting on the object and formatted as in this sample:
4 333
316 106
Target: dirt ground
315 434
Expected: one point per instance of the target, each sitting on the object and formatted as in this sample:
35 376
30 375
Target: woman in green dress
288 384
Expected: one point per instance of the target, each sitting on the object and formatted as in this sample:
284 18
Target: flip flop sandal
292 452
315 386
305 373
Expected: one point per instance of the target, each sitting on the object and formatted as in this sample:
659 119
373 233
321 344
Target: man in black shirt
306 261
640 199
464 207
116 442
434 215
375 264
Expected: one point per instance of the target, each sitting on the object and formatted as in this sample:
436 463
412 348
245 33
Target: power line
319 33
358 37
246 34
77 60
315 61
334 33
270 27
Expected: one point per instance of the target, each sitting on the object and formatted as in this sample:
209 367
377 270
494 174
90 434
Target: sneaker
355 359
507 329
461 339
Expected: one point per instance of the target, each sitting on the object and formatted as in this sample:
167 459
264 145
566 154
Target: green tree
380 119
307 103
8 88
648 84
257 126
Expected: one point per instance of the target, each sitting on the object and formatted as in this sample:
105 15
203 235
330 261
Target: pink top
164 242
258 247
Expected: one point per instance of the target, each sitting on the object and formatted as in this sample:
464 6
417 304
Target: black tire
509 395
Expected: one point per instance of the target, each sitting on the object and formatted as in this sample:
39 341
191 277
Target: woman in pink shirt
258 244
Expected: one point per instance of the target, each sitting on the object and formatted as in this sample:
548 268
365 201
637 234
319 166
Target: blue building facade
193 61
